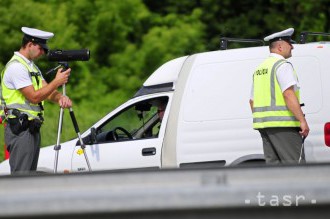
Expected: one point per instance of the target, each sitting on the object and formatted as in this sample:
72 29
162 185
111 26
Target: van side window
139 121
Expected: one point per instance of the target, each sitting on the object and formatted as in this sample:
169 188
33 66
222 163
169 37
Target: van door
130 138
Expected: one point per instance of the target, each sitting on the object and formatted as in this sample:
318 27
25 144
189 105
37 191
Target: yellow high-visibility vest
269 107
14 99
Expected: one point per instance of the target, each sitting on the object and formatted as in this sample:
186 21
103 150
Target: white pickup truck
207 121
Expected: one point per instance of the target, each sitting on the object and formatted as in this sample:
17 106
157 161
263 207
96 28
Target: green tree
129 39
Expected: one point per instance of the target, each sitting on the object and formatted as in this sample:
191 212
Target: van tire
255 162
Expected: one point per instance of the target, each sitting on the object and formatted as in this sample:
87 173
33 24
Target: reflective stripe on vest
270 112
14 99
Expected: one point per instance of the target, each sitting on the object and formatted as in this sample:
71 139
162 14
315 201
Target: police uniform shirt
17 76
285 76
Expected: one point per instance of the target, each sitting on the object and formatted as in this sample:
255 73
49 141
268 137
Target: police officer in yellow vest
23 90
275 103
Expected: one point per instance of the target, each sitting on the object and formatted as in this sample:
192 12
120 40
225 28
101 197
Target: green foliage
129 39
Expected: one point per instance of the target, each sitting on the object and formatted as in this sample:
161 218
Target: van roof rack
303 35
224 41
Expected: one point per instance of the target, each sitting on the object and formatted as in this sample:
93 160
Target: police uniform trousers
282 145
24 150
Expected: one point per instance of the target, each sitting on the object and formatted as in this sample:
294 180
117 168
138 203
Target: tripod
57 147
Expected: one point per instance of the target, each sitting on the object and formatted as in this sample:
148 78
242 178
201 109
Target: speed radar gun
63 57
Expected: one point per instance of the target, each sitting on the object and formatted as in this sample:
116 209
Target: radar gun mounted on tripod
63 57
59 55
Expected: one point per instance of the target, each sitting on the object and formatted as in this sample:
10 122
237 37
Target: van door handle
148 151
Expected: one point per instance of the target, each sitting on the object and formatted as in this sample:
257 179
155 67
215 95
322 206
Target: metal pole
57 147
82 145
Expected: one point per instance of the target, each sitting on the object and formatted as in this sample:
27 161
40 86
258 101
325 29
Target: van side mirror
93 136
89 139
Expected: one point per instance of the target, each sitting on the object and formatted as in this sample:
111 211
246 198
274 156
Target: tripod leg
57 147
82 145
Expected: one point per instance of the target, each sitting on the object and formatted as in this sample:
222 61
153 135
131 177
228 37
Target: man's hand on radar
62 77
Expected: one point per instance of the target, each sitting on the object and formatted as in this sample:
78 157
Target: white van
207 121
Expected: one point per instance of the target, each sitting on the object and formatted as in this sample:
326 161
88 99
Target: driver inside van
154 130
161 110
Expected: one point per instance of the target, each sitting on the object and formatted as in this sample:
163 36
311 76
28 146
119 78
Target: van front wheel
255 162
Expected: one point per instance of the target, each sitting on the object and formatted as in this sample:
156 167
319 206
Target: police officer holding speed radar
23 91
275 103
